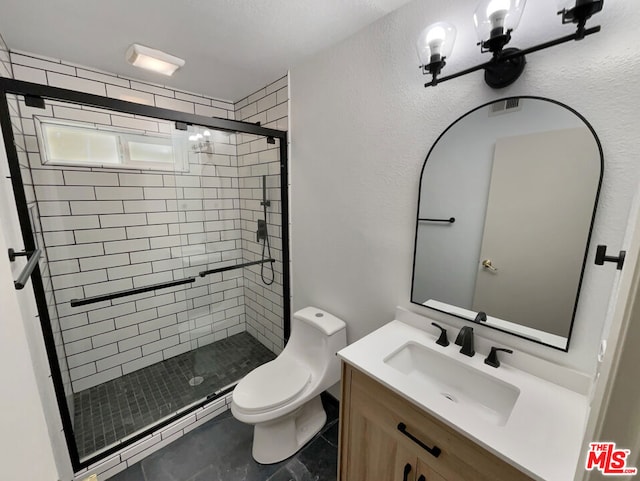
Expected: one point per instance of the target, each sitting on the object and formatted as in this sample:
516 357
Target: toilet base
281 438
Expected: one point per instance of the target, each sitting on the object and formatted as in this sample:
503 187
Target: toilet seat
270 386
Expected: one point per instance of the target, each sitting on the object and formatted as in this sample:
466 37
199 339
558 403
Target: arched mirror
506 205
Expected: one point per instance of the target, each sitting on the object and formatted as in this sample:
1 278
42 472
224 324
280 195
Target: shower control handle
261 233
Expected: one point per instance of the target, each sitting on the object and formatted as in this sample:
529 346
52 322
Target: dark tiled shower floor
108 412
220 450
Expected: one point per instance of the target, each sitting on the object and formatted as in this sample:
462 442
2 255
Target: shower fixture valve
261 233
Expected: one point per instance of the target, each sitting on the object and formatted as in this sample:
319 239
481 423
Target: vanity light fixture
495 20
152 59
434 45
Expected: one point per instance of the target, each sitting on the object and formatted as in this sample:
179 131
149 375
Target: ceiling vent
504 106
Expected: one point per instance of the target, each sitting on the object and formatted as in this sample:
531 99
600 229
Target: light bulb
495 17
193 138
497 11
435 38
435 42
206 133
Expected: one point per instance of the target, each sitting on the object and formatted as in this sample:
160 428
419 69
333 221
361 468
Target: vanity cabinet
374 448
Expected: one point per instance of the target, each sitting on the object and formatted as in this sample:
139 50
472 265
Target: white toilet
282 397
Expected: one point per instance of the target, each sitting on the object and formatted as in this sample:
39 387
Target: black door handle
434 451
407 470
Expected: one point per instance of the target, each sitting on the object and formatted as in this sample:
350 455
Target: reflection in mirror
507 200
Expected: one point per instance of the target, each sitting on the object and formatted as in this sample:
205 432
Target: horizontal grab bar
235 266
153 287
25 275
450 220
130 292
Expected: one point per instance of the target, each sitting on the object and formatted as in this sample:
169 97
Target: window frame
122 137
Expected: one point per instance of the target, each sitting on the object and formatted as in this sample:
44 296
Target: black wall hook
602 257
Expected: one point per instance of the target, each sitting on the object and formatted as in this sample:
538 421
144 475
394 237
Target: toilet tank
316 336
326 323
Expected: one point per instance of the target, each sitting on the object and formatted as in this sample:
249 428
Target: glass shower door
99 186
159 293
215 231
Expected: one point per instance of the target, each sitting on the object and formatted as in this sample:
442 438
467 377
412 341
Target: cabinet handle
434 451
407 470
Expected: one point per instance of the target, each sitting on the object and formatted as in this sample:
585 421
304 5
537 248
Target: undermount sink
489 398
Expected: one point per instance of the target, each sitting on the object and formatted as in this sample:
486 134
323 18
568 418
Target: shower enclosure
163 275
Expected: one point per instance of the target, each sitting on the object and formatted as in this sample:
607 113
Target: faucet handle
492 358
442 340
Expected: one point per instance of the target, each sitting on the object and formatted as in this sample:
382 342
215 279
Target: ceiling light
151 59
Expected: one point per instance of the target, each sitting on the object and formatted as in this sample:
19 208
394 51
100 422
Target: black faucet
465 339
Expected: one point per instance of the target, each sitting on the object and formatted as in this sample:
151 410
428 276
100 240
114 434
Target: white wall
362 124
30 417
25 453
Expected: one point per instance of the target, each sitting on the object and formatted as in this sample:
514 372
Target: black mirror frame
593 216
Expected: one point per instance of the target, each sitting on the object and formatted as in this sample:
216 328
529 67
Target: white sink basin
490 398
534 424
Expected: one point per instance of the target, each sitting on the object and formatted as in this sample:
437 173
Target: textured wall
362 124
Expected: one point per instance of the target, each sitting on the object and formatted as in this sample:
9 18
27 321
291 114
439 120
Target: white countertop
543 435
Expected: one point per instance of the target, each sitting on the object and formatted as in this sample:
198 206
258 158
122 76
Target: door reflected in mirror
507 200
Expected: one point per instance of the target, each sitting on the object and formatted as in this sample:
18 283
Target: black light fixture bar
516 54
129 292
235 266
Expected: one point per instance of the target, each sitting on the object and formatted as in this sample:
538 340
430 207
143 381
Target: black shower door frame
33 92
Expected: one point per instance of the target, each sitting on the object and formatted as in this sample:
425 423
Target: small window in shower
91 146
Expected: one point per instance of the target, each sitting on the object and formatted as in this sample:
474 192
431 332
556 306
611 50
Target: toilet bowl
282 398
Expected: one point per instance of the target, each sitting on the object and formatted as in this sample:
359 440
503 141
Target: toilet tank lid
327 323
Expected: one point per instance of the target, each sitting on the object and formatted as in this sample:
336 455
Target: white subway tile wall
108 230
264 309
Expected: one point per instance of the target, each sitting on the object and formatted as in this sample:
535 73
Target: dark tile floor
106 413
220 450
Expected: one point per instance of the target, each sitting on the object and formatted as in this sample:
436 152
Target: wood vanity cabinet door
368 451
